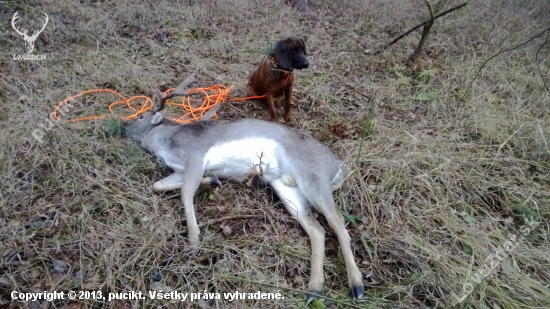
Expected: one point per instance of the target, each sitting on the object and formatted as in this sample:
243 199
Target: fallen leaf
79 277
147 218
59 265
35 273
226 230
469 219
39 224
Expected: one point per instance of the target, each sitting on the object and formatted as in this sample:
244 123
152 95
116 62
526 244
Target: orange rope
213 95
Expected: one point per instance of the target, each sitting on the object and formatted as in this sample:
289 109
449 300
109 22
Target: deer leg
296 204
327 206
175 181
172 182
191 183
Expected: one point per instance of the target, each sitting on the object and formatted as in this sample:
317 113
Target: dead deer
302 171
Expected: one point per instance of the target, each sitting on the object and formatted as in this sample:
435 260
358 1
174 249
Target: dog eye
140 117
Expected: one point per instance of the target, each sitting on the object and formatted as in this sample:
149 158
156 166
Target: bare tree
427 26
426 29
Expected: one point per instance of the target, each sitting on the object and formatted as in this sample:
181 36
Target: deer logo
29 40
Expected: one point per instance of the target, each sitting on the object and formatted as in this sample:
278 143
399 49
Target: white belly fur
238 159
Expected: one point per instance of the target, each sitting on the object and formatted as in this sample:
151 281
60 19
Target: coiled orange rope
213 95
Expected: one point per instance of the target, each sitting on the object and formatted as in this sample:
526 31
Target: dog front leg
288 98
271 105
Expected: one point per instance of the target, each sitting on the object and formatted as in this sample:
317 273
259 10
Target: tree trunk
426 30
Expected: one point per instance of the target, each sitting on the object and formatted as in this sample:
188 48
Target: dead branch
431 10
213 221
542 76
418 26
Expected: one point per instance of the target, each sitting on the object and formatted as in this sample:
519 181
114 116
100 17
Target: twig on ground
506 50
538 64
213 221
238 279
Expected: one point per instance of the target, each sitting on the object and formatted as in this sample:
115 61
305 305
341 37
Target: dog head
291 54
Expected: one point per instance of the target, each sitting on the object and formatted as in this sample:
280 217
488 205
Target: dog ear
303 46
282 55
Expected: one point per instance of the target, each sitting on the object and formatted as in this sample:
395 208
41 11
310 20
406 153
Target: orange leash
213 95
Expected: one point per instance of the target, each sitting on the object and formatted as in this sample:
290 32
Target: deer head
29 40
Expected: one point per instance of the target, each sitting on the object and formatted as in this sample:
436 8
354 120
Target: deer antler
180 90
14 18
36 33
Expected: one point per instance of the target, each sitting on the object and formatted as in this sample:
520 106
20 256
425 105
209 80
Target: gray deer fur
302 171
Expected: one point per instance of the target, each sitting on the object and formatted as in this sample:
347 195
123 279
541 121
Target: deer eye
140 117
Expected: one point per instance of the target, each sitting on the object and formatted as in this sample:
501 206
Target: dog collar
279 68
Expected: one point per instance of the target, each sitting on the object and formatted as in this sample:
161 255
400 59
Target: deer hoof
311 295
215 182
357 291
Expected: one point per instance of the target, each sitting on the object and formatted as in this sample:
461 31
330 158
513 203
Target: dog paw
289 119
275 120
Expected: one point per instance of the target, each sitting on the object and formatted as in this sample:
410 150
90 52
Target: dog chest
239 158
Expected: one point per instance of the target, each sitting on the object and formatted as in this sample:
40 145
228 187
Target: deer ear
157 118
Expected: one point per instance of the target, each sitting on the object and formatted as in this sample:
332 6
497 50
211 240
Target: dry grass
443 172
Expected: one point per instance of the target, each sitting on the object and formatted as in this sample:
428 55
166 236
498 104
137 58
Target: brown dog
274 76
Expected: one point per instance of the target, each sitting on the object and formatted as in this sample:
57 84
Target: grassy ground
447 168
